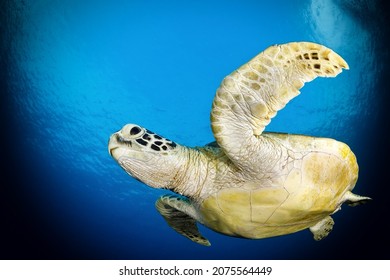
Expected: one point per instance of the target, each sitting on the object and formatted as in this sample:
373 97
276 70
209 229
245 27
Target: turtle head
145 155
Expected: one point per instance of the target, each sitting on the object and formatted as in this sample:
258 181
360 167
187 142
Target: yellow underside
311 191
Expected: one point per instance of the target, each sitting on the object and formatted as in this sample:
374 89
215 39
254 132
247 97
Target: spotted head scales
249 183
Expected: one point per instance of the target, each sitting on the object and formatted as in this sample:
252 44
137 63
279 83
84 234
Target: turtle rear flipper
321 229
353 199
176 212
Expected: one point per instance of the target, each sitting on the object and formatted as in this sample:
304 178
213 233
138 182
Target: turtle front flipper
178 213
250 96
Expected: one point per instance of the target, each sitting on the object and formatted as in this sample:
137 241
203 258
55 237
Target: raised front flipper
250 96
179 214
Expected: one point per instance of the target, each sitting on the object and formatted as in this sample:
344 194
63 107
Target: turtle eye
135 130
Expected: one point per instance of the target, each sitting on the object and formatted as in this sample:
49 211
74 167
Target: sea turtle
249 183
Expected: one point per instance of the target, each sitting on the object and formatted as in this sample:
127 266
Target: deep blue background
73 72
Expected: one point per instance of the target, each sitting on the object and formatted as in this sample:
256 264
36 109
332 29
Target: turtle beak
112 144
110 150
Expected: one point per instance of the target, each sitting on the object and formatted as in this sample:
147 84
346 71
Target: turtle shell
308 186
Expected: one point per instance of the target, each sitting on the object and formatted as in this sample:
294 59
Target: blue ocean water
77 71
